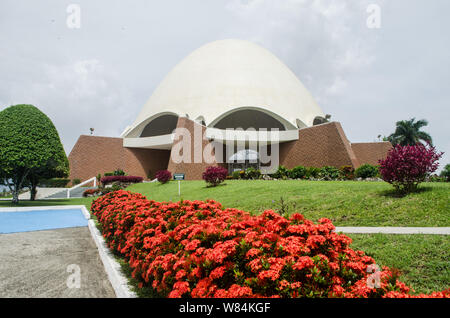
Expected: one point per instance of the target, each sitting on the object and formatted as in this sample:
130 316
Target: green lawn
423 260
346 203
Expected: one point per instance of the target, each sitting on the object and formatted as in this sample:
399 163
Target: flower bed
199 249
121 179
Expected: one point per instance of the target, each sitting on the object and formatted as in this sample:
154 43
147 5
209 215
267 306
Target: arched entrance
242 160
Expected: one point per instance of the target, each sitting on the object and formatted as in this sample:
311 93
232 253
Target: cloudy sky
101 74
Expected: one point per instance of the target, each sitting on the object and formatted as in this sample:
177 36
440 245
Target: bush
54 183
215 175
113 188
200 249
298 172
407 166
435 178
76 182
445 173
312 172
236 174
329 173
252 173
163 176
281 173
347 172
366 171
117 172
121 179
91 192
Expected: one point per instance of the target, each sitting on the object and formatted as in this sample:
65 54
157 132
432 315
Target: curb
394 230
118 281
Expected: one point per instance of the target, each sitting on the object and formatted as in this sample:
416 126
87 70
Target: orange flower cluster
200 249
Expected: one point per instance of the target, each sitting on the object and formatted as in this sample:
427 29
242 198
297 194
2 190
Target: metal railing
81 184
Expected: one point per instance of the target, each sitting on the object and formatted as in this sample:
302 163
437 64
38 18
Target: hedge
200 249
124 179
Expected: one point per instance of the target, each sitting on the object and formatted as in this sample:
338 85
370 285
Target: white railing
82 184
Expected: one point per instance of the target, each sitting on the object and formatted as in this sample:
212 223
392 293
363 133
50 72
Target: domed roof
226 75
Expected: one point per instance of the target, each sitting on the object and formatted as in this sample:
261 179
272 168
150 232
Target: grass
346 203
423 260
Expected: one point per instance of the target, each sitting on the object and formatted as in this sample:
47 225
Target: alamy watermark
374 19
227 146
74 279
73 20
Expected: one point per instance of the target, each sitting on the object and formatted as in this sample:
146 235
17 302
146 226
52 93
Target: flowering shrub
91 192
121 179
215 175
407 166
163 176
199 249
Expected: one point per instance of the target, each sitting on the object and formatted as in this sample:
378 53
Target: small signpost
179 177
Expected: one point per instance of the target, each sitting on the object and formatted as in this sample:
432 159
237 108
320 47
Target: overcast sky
101 74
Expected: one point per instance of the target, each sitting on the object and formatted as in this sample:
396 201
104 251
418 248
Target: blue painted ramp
26 221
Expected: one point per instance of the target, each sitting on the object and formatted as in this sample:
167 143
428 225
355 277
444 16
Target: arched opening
249 118
162 125
242 160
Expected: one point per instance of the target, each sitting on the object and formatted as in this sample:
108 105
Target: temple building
221 105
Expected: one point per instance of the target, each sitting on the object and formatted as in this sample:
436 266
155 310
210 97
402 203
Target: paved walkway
394 230
35 264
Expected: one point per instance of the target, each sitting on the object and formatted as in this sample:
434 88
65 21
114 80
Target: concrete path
35 264
394 230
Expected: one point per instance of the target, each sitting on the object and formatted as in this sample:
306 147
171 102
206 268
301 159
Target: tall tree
30 148
408 132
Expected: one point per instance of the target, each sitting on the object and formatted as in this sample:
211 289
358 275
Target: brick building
226 102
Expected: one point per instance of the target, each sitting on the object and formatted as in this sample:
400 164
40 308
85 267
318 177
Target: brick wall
92 155
192 171
371 152
318 146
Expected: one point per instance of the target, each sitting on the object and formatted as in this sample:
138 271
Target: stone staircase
75 193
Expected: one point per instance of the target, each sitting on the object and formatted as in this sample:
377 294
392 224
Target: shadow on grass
392 193
215 186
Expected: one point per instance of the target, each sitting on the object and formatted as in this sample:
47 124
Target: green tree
408 132
445 173
30 149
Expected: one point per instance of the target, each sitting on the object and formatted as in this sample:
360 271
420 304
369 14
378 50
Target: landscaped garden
200 249
263 235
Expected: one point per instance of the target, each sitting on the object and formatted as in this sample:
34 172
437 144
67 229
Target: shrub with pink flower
215 175
163 176
405 167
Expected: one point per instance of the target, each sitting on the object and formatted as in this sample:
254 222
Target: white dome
226 75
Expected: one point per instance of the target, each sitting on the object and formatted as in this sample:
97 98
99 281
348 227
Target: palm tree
408 132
